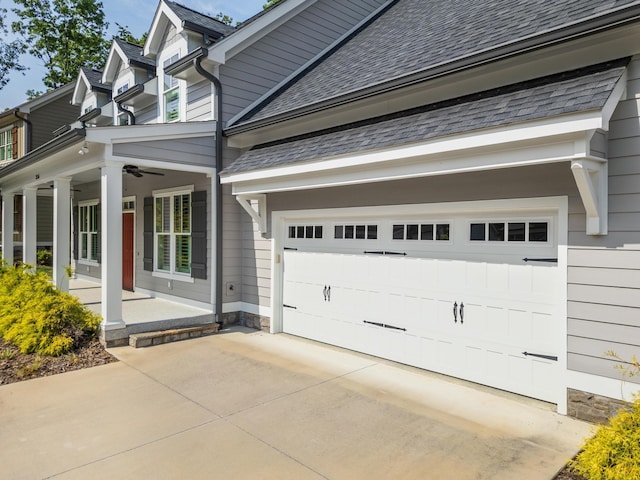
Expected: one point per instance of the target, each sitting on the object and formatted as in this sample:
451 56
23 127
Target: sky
137 19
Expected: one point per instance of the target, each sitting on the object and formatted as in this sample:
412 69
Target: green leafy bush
613 453
38 318
44 257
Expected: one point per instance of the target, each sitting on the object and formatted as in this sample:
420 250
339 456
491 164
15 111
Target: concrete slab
245 404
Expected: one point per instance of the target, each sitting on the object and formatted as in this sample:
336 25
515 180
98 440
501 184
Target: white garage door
452 295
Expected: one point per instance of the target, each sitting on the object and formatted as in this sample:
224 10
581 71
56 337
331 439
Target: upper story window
171 93
122 89
6 144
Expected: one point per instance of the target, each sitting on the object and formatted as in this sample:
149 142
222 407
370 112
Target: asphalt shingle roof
415 35
196 18
134 53
94 77
570 92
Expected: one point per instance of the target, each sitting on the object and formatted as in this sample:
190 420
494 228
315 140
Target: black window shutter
199 234
76 234
99 232
148 234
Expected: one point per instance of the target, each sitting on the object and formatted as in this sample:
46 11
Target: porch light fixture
84 149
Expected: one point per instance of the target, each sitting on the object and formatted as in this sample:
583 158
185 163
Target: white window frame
178 88
171 274
7 145
90 233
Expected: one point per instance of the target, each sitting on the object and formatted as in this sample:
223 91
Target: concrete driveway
249 405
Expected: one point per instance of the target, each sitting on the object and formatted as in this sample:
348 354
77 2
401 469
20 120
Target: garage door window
509 231
305 231
357 232
423 231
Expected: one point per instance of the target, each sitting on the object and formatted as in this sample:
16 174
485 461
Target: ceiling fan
136 172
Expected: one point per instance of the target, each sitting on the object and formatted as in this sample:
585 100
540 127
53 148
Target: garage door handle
455 312
539 355
461 313
327 293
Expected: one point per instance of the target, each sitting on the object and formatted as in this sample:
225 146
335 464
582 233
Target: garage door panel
402 308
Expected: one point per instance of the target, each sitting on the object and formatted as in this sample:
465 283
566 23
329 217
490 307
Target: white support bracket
260 215
591 176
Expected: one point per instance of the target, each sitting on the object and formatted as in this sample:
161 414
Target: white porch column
29 225
111 247
61 229
7 226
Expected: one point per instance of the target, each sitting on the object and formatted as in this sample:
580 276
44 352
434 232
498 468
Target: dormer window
6 144
171 93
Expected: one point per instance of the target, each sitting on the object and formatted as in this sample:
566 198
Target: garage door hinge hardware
384 325
546 357
291 248
327 293
289 306
404 254
548 260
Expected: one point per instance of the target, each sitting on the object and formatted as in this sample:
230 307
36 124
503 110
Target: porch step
149 339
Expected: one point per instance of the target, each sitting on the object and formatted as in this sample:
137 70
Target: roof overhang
139 95
163 17
184 68
563 139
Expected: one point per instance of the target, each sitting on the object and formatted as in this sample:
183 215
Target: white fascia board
80 90
110 66
613 100
144 133
541 130
226 48
164 15
421 166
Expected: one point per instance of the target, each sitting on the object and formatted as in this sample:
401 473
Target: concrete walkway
249 405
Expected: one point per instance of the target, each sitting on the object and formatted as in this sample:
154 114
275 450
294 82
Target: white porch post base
29 226
61 229
7 226
111 246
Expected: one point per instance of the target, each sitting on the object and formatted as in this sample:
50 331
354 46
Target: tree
269 3
9 53
226 19
64 34
125 34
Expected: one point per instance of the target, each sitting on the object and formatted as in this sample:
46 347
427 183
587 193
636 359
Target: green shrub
44 257
38 318
613 453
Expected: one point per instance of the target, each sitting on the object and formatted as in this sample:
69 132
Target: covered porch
140 313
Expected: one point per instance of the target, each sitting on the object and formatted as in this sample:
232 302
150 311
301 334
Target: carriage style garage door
474 297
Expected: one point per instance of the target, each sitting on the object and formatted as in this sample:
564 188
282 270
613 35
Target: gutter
583 28
195 59
53 146
126 96
29 145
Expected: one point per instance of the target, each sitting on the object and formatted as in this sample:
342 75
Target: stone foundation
249 320
591 407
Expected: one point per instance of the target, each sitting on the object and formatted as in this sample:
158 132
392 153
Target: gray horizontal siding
51 117
195 151
199 103
253 72
604 272
147 115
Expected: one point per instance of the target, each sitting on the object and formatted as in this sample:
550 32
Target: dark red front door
127 251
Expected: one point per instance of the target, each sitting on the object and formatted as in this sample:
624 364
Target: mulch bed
16 366
567 475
